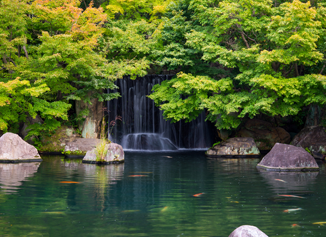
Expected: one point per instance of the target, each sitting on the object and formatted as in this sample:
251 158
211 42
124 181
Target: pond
158 194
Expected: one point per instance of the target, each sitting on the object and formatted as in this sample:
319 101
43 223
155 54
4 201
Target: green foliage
48 57
275 49
76 152
215 144
307 149
101 149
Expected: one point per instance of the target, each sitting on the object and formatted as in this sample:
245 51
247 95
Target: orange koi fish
294 196
292 210
198 194
281 180
69 182
138 175
295 225
164 209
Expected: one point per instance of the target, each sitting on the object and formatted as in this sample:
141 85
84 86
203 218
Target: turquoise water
152 195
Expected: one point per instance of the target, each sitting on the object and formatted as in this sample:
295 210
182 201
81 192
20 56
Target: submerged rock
312 138
14 149
264 133
236 146
115 154
247 231
285 157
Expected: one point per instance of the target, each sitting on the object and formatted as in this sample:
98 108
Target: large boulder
247 231
312 138
115 154
264 133
285 157
14 149
237 146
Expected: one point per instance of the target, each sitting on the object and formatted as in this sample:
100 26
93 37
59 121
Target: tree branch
322 69
25 50
243 36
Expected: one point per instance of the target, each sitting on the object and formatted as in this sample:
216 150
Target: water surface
152 195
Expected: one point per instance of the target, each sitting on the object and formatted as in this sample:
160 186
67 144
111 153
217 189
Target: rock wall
91 126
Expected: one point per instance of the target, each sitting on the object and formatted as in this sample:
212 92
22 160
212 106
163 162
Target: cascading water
143 126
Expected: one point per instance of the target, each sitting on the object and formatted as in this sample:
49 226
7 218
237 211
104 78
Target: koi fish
198 194
234 201
69 182
55 212
138 175
167 156
164 209
281 180
319 223
292 210
294 196
129 211
295 225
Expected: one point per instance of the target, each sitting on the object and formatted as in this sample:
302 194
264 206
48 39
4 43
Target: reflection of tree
12 175
103 177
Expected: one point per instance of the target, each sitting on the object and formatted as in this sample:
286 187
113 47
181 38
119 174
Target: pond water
152 195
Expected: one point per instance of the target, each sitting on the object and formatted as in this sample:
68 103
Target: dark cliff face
141 119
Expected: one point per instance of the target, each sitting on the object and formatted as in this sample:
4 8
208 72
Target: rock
92 123
247 231
264 133
82 144
223 134
24 129
56 142
313 138
317 155
237 146
285 157
14 149
115 155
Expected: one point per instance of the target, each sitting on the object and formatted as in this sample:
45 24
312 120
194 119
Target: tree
275 49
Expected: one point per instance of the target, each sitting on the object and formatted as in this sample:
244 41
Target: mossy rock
57 141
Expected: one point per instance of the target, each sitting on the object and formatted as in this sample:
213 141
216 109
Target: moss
56 142
77 153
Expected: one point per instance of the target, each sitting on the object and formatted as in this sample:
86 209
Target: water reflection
107 174
234 164
12 175
284 182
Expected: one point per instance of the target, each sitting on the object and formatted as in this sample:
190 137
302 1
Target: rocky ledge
312 138
14 149
115 155
235 147
285 157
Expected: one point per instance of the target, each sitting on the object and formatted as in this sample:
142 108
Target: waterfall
143 126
